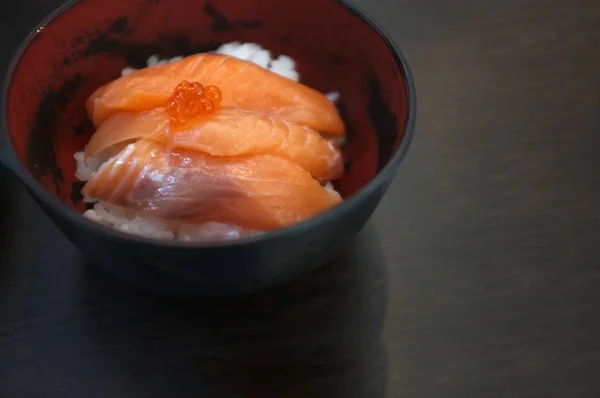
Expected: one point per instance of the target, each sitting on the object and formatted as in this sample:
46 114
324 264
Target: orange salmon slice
261 192
228 132
244 85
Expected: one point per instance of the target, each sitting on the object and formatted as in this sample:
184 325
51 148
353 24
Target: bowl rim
388 171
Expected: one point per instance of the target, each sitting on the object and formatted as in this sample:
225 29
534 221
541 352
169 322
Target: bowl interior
88 43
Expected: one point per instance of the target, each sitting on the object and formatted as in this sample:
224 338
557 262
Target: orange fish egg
191 100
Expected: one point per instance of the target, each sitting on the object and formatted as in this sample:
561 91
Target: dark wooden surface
478 276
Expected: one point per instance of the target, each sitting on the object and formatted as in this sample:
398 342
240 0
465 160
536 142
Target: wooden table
477 277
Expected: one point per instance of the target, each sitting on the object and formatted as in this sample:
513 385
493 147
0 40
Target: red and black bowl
87 43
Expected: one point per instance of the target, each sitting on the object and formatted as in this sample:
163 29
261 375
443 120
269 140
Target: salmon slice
262 192
243 84
228 132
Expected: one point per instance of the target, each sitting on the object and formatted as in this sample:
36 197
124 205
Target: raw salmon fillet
244 85
262 192
228 132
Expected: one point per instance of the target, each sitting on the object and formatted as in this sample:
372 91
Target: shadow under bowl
87 43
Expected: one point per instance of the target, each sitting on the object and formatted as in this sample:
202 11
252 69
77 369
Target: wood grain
478 277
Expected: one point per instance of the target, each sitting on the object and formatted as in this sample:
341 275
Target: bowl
86 43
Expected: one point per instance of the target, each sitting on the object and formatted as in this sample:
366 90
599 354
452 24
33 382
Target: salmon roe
191 100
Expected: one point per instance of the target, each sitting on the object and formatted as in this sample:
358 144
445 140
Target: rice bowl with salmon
214 146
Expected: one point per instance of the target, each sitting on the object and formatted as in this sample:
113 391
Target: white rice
127 221
333 97
212 231
86 168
